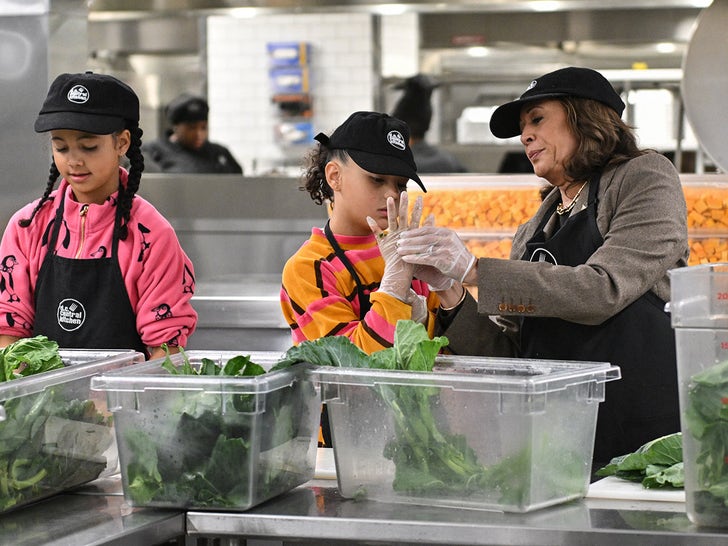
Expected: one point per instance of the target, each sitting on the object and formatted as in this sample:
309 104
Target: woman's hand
431 275
397 278
437 247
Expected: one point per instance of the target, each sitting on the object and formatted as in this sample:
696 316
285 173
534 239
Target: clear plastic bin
212 442
55 433
699 307
485 433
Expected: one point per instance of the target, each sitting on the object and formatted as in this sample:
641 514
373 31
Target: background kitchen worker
588 274
91 264
414 107
186 148
345 280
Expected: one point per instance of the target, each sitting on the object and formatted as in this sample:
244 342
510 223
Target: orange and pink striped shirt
319 296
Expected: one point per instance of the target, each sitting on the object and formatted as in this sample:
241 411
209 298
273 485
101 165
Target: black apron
364 306
641 406
84 303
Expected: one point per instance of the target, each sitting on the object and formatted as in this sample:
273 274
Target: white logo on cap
78 94
396 139
531 85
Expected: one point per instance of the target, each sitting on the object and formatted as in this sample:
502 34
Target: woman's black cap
566 82
93 103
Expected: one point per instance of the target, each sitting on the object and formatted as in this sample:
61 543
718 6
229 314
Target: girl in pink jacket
91 264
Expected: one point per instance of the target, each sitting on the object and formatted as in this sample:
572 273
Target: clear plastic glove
435 279
432 276
437 247
419 308
397 278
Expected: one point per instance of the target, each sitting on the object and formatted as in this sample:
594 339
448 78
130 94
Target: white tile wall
400 45
342 75
241 113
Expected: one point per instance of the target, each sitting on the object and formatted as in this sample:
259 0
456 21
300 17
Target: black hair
126 195
314 177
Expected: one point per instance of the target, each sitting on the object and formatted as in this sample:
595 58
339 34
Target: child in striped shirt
345 280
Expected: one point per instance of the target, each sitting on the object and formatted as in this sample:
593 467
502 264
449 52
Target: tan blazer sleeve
642 217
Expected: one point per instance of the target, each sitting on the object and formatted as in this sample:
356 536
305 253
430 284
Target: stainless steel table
95 514
316 513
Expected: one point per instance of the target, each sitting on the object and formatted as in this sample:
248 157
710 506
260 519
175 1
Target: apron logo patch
71 314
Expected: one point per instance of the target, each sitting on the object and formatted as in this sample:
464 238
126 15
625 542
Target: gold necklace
561 209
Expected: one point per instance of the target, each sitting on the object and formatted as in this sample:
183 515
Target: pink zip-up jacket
158 275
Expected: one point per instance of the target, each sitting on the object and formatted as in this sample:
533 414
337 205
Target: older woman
588 274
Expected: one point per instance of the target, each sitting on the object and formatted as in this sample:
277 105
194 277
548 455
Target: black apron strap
364 303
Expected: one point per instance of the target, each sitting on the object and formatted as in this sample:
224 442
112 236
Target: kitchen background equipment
706 79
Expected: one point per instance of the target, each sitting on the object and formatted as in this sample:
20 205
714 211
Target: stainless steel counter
316 512
240 313
96 514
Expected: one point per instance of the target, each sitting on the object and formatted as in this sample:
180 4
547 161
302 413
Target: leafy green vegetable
203 456
29 356
656 464
429 461
707 419
38 451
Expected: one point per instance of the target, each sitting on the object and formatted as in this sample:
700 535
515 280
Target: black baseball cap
187 109
378 143
566 82
93 103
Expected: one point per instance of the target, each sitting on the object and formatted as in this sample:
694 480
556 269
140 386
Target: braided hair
136 167
314 177
52 177
126 195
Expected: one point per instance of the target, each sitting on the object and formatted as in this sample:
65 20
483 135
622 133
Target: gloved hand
397 278
438 247
435 279
419 308
431 275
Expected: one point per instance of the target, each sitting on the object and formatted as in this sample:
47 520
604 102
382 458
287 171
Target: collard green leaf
647 463
325 351
29 356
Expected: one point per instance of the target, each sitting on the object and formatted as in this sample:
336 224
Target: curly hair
313 179
126 195
604 140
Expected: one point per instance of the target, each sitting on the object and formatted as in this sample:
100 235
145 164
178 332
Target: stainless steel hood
128 7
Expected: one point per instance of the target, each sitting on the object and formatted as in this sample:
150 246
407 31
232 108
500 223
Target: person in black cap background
186 148
588 275
91 264
414 107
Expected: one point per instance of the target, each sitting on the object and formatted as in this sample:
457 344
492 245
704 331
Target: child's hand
397 277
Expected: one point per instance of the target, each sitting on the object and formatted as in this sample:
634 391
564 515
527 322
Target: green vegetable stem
31 464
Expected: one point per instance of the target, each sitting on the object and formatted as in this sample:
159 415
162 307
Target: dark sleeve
232 166
472 334
152 156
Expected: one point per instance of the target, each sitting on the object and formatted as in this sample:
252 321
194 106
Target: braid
126 196
52 177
